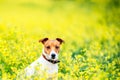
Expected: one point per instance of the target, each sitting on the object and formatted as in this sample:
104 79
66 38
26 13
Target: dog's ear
43 40
60 40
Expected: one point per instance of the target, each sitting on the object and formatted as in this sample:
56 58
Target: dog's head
51 47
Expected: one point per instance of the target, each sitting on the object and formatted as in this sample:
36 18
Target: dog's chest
43 65
50 67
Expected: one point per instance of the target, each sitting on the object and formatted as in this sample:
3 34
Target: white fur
44 65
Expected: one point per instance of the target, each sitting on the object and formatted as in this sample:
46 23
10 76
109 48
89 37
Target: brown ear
60 40
43 40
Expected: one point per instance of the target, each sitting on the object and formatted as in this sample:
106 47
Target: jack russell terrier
47 63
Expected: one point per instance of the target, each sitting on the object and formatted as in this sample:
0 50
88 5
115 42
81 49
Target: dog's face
51 47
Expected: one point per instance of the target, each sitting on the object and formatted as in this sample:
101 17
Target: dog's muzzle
53 56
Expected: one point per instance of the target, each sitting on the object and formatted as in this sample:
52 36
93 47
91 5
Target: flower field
90 29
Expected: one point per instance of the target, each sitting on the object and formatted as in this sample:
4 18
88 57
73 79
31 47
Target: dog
48 61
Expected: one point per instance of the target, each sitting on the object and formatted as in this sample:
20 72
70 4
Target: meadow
90 29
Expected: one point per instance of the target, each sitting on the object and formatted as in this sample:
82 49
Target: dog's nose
53 56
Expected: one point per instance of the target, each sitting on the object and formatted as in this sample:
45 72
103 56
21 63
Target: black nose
53 56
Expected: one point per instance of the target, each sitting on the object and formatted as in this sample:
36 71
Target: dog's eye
57 47
48 47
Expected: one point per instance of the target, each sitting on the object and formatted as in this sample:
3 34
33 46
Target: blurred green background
90 28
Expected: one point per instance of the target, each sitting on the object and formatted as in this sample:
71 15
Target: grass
90 30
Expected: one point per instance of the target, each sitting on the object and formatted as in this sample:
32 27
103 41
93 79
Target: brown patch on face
50 45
